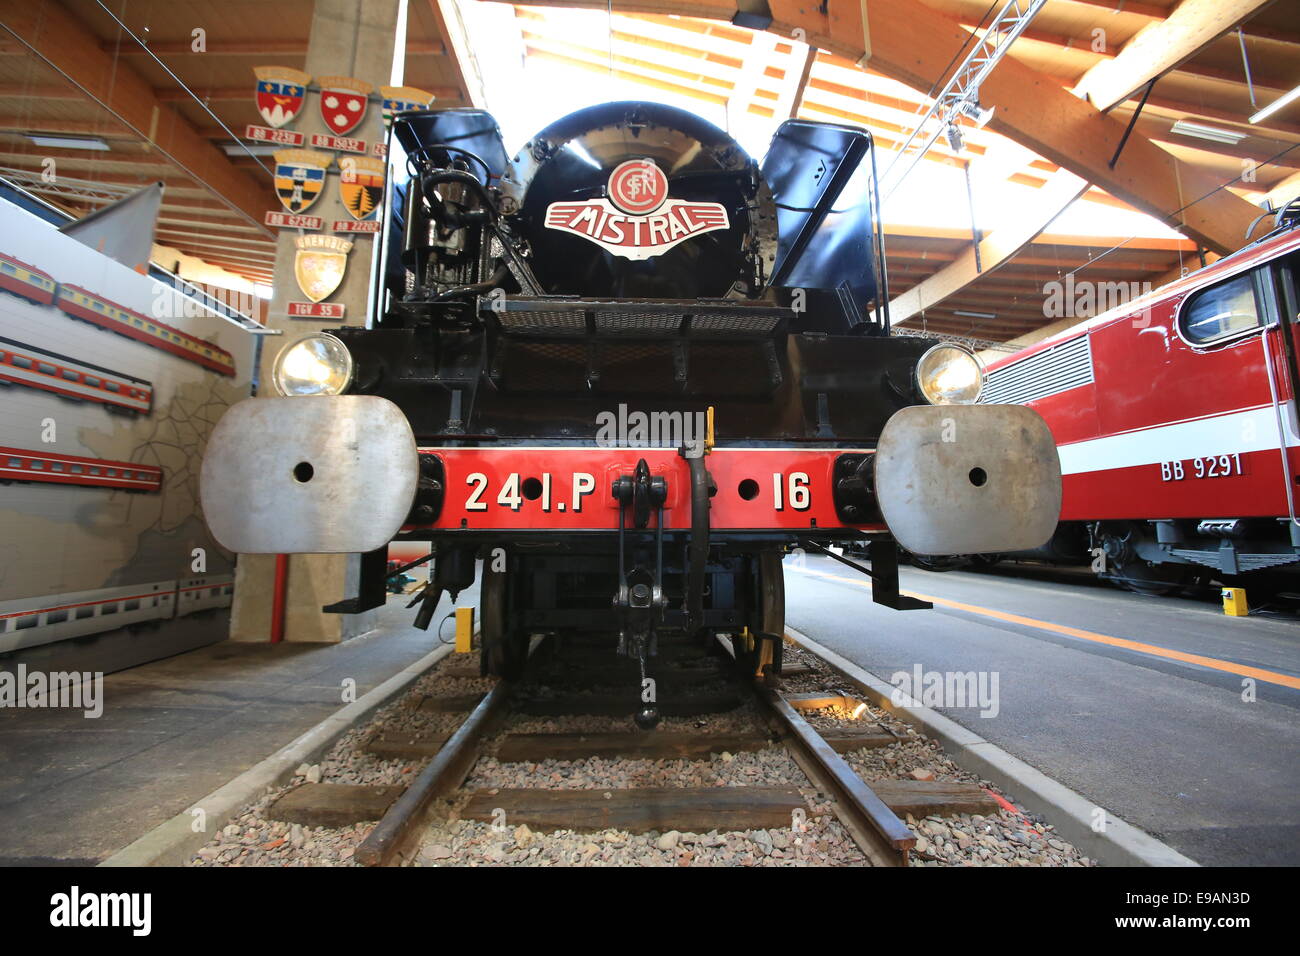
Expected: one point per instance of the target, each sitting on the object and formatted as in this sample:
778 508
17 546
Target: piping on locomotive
631 260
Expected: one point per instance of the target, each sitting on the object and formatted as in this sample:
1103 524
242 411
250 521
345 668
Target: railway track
551 770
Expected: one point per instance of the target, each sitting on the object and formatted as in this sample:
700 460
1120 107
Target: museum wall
87 560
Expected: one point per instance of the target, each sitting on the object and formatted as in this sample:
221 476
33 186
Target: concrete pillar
348 38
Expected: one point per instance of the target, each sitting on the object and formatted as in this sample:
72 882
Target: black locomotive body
627 369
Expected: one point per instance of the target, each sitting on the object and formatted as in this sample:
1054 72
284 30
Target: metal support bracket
883 573
372 589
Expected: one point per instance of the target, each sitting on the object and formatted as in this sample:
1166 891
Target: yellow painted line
1270 677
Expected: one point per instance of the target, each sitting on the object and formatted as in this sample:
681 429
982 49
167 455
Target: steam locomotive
627 368
1175 418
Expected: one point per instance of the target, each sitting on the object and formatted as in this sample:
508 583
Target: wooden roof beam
451 30
65 44
993 251
916 44
1160 47
230 93
92 159
628 74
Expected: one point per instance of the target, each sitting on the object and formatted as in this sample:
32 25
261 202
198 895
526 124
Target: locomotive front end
628 368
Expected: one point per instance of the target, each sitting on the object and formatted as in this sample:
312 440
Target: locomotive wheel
504 644
1152 580
1126 568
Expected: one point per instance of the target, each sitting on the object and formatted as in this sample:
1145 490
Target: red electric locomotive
1175 421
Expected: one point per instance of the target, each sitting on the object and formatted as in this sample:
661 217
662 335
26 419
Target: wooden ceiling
712 61
214 202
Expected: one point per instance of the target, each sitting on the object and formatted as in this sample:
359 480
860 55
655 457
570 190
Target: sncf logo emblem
638 220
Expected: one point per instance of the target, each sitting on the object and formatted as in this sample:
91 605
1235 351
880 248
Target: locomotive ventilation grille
544 323
648 319
1062 367
646 322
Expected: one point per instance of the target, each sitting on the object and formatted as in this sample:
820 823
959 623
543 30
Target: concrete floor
1168 746
74 790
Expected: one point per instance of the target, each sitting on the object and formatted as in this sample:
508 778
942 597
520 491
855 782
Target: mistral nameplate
314 475
968 479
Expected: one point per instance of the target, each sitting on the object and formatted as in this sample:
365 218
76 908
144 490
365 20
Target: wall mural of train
39 287
70 374
36 368
19 464
57 617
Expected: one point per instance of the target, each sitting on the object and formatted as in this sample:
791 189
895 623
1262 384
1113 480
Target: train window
213 592
15 463
46 368
56 466
84 612
70 375
21 361
112 472
56 617
94 471
109 608
153 602
1221 311
8 268
26 622
38 466
131 606
112 386
230 589
75 469
93 382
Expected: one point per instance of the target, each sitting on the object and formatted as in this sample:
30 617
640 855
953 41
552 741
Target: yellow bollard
1234 602
464 630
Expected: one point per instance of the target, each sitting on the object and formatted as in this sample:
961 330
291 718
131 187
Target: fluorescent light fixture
975 315
68 142
1212 133
1276 105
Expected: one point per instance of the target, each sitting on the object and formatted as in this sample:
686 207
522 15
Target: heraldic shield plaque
319 264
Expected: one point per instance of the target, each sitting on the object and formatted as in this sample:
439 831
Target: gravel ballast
814 838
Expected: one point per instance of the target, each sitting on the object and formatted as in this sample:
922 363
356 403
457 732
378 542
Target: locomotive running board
968 479
311 475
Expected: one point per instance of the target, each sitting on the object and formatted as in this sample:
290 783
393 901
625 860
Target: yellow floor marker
464 630
1234 602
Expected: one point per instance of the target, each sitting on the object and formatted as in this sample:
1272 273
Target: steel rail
444 773
877 830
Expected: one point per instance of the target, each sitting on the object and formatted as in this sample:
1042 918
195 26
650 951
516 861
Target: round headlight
950 375
317 364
